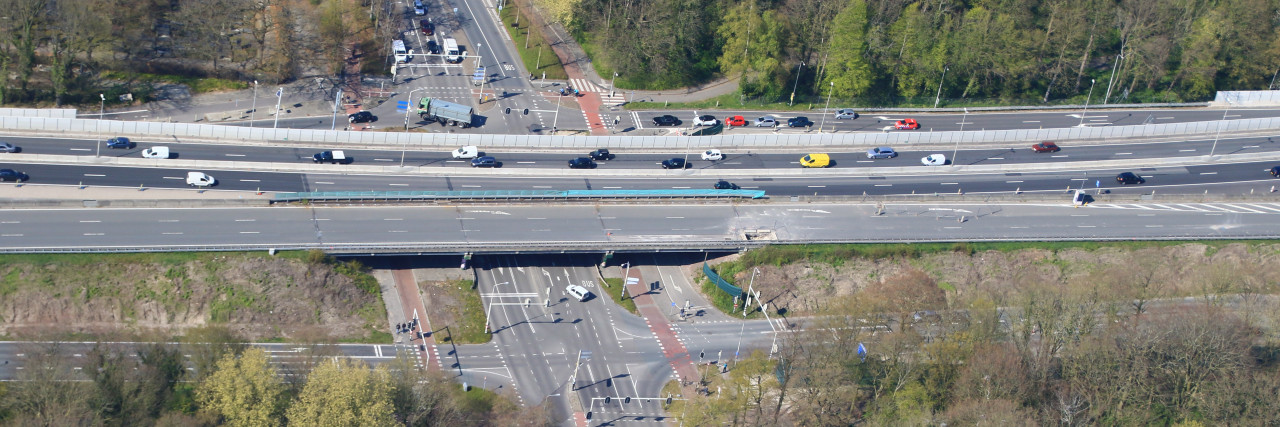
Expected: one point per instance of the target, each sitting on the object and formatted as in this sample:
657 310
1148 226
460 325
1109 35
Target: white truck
466 152
200 179
397 49
451 51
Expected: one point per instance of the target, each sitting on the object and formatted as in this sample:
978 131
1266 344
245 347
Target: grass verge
197 84
613 288
522 36
469 314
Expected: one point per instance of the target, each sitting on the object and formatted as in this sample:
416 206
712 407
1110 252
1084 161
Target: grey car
846 113
881 153
766 121
9 148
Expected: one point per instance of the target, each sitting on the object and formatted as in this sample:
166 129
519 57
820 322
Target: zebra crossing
584 85
1244 208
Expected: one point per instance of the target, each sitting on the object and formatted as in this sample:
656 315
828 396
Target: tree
344 393
848 67
243 390
48 392
208 345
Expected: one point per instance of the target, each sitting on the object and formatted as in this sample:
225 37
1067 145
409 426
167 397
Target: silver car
9 148
766 121
846 113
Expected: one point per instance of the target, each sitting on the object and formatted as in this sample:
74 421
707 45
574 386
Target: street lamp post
938 97
337 100
102 101
957 150
409 100
1086 102
556 120
253 109
1220 126
279 95
824 109
793 87
1273 79
611 87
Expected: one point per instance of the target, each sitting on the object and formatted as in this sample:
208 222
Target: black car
1275 171
12 175
120 142
674 163
1129 178
601 154
666 120
362 117
725 185
432 47
582 163
799 122
484 162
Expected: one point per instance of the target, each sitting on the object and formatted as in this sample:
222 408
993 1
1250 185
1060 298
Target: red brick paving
407 288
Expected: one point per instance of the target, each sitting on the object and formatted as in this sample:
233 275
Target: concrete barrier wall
61 113
1246 98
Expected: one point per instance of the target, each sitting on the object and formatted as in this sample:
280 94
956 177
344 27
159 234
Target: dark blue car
120 142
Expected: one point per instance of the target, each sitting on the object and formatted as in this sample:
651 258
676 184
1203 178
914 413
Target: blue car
120 142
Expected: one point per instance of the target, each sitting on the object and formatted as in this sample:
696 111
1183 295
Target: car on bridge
200 179
1045 147
1126 178
705 120
816 160
156 153
13 175
582 163
725 185
120 142
362 117
1275 171
906 124
736 121
881 153
666 120
934 160
484 162
674 163
466 152
9 148
601 154
799 122
712 155
766 121
846 113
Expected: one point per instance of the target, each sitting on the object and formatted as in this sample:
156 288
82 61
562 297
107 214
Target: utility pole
253 109
793 87
1086 102
938 97
279 94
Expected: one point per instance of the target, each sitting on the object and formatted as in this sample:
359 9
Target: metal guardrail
724 285
513 195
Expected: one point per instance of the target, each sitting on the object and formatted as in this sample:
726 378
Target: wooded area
231 384
896 51
60 51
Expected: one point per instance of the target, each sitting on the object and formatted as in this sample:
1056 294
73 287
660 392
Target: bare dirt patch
256 295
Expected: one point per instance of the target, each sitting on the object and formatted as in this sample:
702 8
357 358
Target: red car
736 121
428 28
1045 147
906 124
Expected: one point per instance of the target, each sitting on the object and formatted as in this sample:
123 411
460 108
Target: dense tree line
60 50
234 385
1069 357
876 50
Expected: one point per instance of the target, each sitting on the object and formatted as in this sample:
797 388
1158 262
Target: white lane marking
611 188
1154 225
246 220
89 220
993 158
866 161
1012 182
399 185
1086 226
1031 121
1250 146
250 180
94 234
525 163
397 231
817 186
1164 118
179 232
93 174
680 188
1020 226
10 222
248 232
81 149
1244 208
173 177
542 186
168 220
1188 150
1059 156
1208 173
10 235
675 217
471 186
383 160
534 218
1264 207
324 182
393 219
234 155
949 183
884 185
1124 154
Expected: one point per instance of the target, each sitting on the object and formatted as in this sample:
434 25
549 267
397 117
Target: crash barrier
60 113
508 195
720 283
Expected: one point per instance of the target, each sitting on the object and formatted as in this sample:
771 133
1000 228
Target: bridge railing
515 195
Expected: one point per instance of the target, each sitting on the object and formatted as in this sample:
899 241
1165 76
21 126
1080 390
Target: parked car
362 117
1045 147
674 163
433 47
419 10
906 124
156 153
1275 171
712 155
815 160
766 121
736 121
9 148
1127 178
666 120
881 153
120 142
484 162
582 163
601 154
725 185
577 292
799 122
200 179
428 29
705 120
934 160
846 113
13 175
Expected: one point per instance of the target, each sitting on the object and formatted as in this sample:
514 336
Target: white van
578 292
156 153
200 179
397 49
467 152
451 51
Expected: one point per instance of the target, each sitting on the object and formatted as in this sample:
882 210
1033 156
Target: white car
467 152
712 155
581 293
766 121
934 160
156 153
200 179
846 113
705 120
